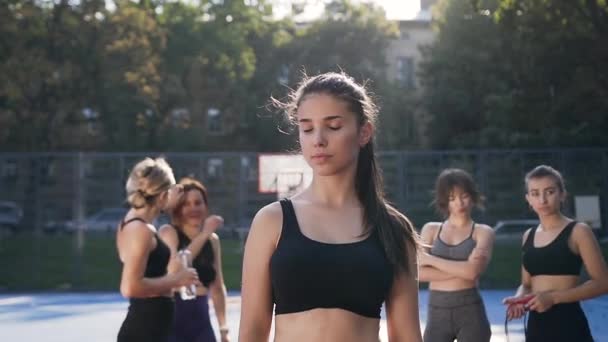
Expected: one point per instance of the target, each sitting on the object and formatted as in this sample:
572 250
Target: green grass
31 263
48 263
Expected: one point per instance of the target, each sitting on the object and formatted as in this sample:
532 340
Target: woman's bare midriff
326 325
543 283
454 284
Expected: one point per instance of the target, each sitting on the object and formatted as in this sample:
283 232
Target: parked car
105 220
512 230
10 217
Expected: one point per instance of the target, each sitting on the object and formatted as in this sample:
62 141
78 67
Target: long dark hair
395 231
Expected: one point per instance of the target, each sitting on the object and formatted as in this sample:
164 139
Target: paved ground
96 317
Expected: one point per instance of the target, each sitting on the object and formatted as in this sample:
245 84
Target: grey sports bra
458 252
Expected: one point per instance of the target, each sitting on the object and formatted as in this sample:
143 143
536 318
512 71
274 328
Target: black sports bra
307 274
203 263
158 257
556 258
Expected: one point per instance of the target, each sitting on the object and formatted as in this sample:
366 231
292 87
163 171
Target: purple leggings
192 323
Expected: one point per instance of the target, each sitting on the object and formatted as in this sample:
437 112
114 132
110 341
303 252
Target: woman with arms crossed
460 250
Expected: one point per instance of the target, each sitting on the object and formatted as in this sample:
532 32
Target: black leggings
561 323
148 320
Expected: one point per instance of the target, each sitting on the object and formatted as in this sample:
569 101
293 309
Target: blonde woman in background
145 257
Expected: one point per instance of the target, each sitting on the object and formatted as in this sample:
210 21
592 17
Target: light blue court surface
96 317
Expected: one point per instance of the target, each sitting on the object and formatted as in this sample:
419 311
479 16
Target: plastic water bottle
186 292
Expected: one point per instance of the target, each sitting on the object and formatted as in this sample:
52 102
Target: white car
513 230
105 220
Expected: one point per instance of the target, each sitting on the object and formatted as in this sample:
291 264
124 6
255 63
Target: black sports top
556 258
158 257
203 263
307 274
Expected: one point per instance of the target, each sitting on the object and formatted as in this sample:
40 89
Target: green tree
132 45
517 73
44 71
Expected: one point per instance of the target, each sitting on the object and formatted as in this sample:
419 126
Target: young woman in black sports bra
329 257
553 254
459 252
192 228
145 257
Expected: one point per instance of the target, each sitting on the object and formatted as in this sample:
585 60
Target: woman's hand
212 223
187 276
541 302
516 305
515 311
224 335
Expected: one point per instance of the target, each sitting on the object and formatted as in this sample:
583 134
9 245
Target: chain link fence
55 208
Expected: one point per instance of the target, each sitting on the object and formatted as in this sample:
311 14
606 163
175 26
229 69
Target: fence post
401 180
482 177
78 218
242 188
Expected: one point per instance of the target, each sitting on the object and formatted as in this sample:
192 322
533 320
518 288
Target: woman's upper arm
589 250
485 241
168 234
526 279
403 321
217 261
485 237
427 234
136 243
256 292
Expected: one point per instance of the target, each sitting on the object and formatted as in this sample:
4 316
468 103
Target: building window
91 117
180 118
405 71
214 121
283 77
215 168
9 169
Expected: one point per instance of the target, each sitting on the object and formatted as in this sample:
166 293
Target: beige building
404 54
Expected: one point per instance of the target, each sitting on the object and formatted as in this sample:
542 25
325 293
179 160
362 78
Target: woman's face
193 210
544 195
330 136
459 202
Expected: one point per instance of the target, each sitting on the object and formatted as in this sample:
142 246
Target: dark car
10 217
512 230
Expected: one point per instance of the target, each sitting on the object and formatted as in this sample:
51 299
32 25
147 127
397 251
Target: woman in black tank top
328 258
145 257
192 228
459 252
553 254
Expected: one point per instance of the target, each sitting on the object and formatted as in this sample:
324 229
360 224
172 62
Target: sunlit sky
400 9
395 9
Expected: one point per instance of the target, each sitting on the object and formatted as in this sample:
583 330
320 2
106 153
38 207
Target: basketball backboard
284 174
